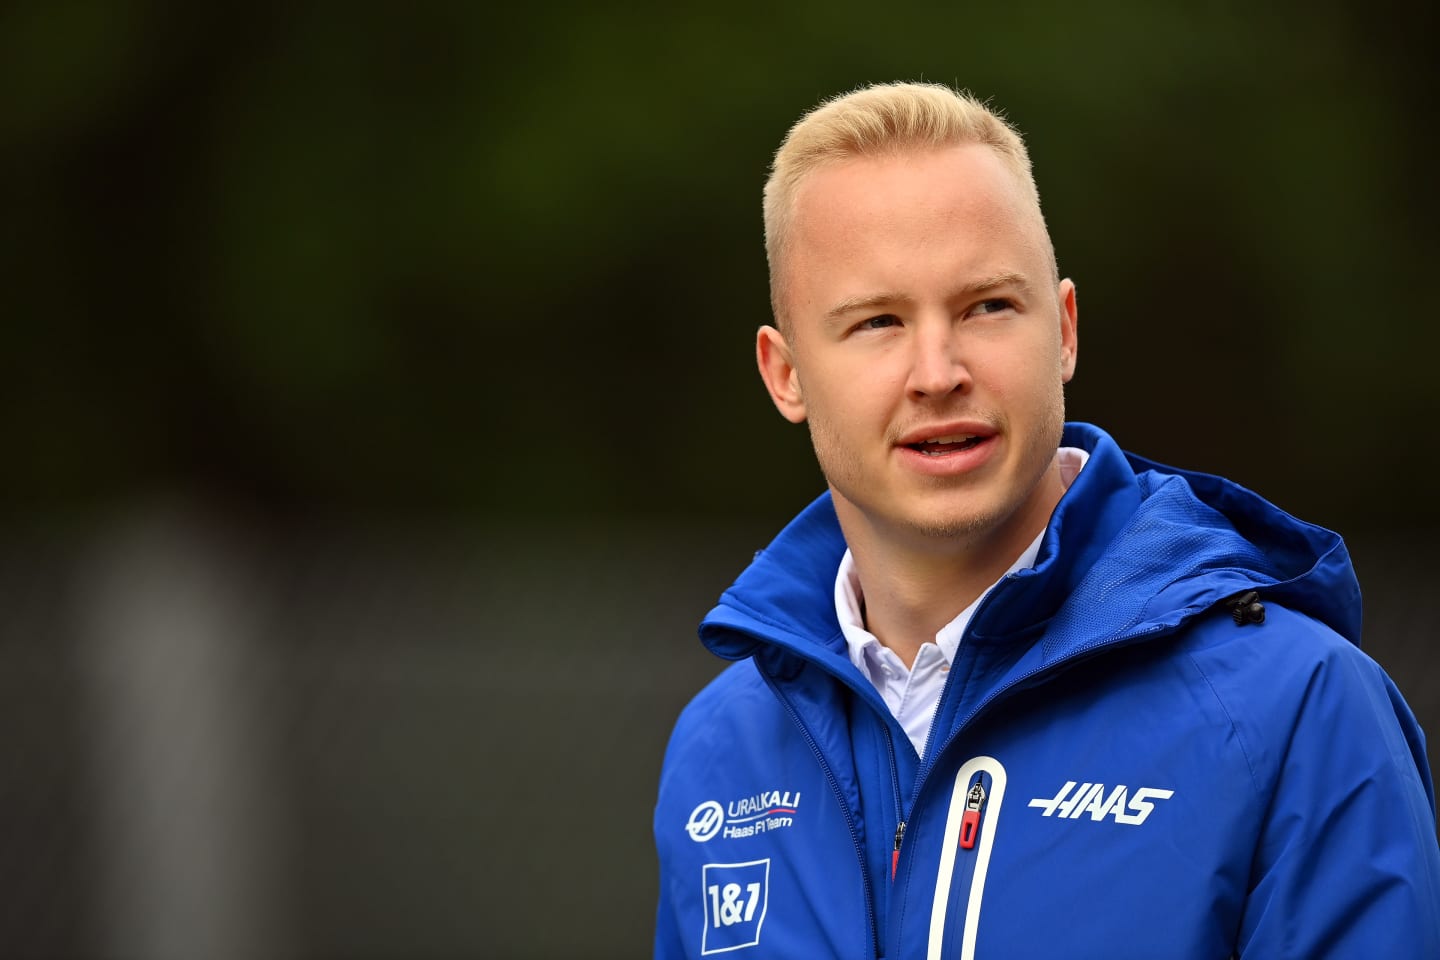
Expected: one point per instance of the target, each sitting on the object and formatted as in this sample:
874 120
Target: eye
993 306
879 322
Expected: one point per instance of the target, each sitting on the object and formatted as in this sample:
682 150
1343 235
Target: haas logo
705 821
1092 798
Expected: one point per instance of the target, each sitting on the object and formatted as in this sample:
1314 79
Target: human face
927 343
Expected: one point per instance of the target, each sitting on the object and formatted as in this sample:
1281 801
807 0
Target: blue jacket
1127 761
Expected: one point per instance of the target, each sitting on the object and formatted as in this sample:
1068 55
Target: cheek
856 392
1035 370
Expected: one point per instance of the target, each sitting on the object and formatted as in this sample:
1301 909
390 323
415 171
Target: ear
1069 330
777 369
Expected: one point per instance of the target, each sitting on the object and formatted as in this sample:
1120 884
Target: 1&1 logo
705 821
736 898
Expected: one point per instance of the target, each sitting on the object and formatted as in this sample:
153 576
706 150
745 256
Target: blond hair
881 119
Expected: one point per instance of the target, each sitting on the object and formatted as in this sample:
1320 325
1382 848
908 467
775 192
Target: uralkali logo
746 817
1094 799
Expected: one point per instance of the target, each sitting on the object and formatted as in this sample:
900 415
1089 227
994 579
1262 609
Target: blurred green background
379 412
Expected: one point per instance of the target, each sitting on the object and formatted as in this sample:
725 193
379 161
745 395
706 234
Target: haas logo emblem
705 821
1092 798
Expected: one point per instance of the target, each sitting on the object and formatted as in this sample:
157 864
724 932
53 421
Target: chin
963 527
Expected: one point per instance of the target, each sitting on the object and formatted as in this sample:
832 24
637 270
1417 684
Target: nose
937 368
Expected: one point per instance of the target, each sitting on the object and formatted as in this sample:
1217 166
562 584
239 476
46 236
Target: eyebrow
999 280
852 304
869 301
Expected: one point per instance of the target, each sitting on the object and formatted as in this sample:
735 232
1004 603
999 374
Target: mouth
940 446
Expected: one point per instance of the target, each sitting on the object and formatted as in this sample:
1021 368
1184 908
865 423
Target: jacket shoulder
708 721
1280 679
1339 766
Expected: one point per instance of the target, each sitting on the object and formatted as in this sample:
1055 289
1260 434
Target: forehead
919 187
902 220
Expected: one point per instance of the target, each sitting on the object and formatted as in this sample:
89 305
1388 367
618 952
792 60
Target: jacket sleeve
668 945
1347 863
666 820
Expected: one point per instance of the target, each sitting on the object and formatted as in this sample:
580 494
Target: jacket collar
1131 546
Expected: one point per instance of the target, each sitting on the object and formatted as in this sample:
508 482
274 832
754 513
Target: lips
951 443
942 439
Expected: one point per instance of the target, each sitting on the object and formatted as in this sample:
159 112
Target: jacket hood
1133 547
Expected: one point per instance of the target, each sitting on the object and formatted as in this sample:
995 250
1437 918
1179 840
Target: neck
914 584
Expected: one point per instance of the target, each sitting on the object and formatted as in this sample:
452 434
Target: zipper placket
970 826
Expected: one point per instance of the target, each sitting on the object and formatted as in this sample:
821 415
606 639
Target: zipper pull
895 857
970 825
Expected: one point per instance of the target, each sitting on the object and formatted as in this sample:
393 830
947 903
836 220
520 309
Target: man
1005 690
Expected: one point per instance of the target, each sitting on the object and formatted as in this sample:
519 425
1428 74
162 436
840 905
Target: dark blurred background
379 416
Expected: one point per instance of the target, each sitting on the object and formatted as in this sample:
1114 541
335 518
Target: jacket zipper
899 807
970 823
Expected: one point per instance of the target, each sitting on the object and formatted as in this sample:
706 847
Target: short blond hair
881 119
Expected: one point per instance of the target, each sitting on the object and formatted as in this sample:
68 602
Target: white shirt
913 693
